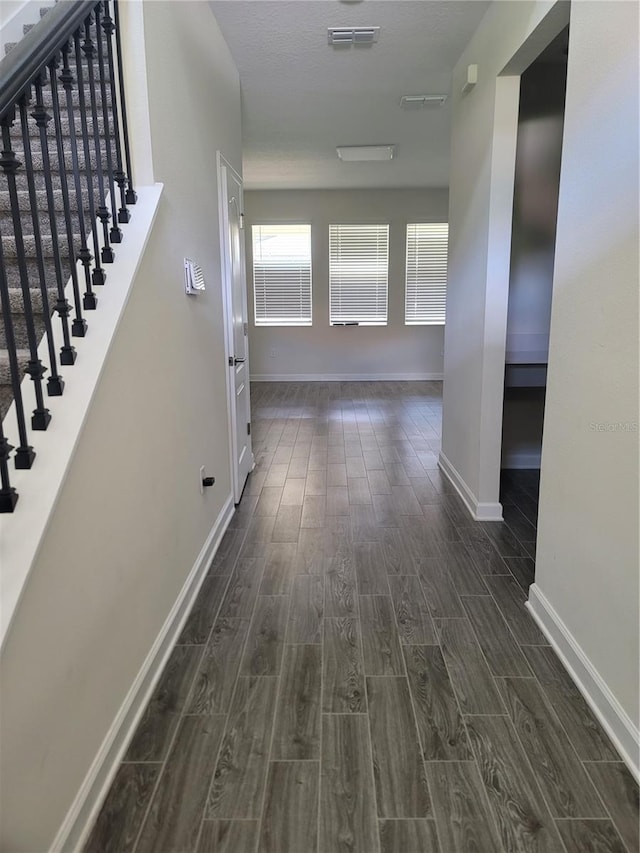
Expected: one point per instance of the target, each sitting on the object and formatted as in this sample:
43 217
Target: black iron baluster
55 384
79 325
25 454
63 309
89 299
131 196
8 495
107 253
115 234
35 369
108 26
98 276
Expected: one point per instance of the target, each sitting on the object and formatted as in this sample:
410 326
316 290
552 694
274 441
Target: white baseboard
79 820
613 718
479 511
346 377
514 459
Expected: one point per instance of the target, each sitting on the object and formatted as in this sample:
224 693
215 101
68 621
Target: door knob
238 360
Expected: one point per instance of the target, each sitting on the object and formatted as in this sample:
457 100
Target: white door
236 323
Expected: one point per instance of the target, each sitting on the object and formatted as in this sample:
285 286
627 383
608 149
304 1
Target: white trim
345 377
479 511
80 818
516 459
610 714
22 532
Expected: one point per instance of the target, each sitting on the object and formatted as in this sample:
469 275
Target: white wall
587 565
323 351
130 520
483 151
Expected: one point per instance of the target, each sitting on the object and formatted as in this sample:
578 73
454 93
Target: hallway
359 673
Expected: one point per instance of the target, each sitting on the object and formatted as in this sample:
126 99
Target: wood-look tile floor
359 673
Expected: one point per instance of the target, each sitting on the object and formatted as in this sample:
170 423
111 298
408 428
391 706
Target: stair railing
65 189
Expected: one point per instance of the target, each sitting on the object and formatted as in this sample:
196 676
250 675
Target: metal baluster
25 454
42 118
115 234
98 276
131 196
107 253
55 383
89 299
8 495
35 369
79 325
108 26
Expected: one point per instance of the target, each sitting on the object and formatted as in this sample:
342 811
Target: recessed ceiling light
417 102
352 35
365 153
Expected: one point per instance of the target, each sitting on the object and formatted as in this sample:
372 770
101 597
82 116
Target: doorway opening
533 236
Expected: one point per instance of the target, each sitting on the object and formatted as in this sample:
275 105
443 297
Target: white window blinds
426 283
358 274
282 275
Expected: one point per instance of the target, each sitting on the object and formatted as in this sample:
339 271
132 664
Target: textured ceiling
301 97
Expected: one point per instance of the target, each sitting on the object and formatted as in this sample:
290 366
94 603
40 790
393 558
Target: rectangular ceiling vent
417 102
352 35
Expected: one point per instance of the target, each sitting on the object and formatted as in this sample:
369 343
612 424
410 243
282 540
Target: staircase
63 195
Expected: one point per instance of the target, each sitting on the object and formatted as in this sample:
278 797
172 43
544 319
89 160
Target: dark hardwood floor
359 673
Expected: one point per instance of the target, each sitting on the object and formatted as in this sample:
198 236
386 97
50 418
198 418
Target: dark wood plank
204 611
290 819
279 570
238 781
287 524
371 576
408 836
440 727
228 836
263 652
401 786
343 670
216 676
363 524
297 729
619 791
590 836
315 548
338 501
396 553
462 813
118 823
472 681
522 816
277 474
378 482
510 599
347 799
241 594
405 500
503 540
340 586
259 532
173 821
293 491
227 553
564 782
439 590
496 641
462 570
380 640
358 490
584 731
412 614
523 569
385 510
269 501
305 616
158 724
337 474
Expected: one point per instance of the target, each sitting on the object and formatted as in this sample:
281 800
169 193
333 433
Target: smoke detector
352 35
417 102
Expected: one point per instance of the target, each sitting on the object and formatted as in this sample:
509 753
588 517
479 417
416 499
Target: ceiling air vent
417 102
352 35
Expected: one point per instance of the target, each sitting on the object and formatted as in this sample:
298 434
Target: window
426 284
358 274
282 275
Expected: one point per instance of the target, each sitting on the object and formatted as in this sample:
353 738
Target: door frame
227 302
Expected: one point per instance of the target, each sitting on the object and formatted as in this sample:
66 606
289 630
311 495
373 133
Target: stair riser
37 162
20 331
24 202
